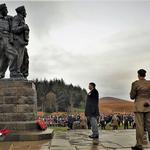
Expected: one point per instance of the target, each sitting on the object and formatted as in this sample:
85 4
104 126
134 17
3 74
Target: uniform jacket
114 121
92 108
19 31
140 92
4 24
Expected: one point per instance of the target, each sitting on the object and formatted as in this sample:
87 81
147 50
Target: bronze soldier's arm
133 91
10 19
16 27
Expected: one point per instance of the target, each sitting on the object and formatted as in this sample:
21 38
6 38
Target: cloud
89 41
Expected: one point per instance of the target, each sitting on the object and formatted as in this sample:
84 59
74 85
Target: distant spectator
114 122
70 121
126 123
102 122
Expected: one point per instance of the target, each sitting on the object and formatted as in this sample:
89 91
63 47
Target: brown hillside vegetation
114 105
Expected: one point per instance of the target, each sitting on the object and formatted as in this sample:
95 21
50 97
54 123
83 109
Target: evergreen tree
56 95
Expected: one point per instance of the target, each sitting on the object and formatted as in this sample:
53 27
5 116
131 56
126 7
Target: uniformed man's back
141 90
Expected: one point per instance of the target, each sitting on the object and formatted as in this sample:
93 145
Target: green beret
20 9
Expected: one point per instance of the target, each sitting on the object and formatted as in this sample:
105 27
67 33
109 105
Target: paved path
38 145
78 140
109 140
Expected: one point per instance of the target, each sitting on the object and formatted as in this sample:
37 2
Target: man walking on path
92 109
140 91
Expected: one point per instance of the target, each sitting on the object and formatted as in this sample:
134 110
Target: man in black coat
92 109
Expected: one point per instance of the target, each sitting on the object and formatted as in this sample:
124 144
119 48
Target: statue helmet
20 9
2 6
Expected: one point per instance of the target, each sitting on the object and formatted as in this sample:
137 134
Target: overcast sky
84 41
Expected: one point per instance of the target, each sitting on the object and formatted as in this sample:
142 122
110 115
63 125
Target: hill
115 105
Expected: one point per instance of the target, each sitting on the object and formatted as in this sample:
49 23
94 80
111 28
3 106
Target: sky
105 42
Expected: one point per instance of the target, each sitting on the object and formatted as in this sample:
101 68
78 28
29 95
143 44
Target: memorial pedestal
18 108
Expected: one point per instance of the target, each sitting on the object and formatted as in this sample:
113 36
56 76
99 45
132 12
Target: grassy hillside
115 105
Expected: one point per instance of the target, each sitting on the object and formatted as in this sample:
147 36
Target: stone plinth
30 135
18 104
18 109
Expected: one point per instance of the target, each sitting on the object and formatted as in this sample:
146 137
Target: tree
50 104
56 95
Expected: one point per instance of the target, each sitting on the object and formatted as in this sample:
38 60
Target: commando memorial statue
14 36
18 97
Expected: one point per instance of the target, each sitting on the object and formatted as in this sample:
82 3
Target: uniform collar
20 16
92 90
142 79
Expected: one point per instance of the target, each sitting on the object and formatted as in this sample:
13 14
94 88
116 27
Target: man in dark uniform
92 109
21 38
8 55
140 91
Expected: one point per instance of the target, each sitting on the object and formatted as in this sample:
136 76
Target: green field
59 129
64 129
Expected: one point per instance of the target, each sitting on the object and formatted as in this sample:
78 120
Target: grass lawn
108 127
64 129
59 129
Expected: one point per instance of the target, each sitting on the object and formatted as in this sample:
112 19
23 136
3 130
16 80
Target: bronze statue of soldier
8 54
21 38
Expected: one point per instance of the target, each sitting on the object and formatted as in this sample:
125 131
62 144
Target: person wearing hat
140 92
21 38
9 55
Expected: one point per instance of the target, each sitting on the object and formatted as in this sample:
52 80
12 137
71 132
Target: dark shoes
136 147
94 136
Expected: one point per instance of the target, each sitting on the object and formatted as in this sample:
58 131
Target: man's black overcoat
92 102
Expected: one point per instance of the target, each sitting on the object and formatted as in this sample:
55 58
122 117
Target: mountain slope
115 105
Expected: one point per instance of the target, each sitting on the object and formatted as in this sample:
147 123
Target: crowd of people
117 120
114 121
61 120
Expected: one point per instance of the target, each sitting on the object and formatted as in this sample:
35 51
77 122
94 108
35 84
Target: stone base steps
29 135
